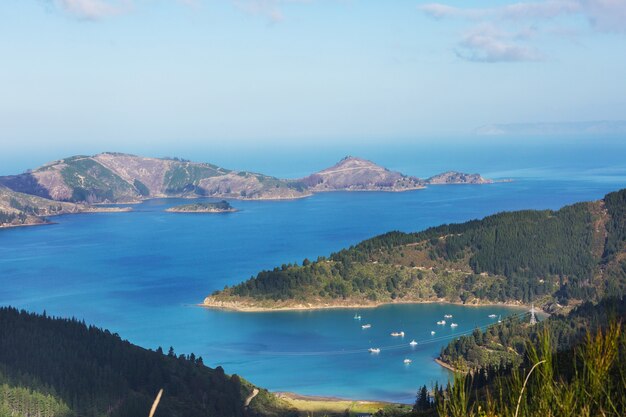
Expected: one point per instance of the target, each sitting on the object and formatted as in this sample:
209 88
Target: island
219 207
122 178
552 259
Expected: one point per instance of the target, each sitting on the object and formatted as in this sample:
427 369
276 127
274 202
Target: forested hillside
505 344
59 367
550 257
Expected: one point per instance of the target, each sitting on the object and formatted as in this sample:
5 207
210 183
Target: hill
18 209
553 258
356 174
505 344
123 178
59 367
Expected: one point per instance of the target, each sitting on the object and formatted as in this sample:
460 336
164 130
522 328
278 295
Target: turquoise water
141 273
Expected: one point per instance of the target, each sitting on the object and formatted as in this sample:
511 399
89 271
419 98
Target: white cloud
95 9
487 43
606 15
524 10
269 8
603 15
272 9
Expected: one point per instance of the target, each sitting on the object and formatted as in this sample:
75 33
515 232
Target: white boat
432 332
441 322
397 334
413 343
492 316
447 316
453 325
366 326
499 319
357 317
407 361
374 350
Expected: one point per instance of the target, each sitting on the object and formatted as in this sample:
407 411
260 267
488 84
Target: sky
83 76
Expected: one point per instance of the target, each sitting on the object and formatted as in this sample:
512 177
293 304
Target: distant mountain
122 178
600 127
356 174
551 258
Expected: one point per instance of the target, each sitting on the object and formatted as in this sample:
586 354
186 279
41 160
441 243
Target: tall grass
589 382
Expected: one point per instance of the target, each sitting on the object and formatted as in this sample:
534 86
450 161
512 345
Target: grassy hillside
58 367
549 257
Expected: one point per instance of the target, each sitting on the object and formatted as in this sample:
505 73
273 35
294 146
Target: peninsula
577 253
220 207
18 209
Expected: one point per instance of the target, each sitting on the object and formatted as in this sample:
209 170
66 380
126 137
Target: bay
142 274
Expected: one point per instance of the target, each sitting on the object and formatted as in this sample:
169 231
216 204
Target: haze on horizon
84 76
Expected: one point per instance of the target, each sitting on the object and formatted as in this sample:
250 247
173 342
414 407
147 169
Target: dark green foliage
584 380
520 256
19 401
422 400
141 188
615 204
96 373
204 207
505 344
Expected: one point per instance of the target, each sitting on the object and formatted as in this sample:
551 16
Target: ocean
142 273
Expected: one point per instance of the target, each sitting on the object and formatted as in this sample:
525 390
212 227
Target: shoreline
242 308
445 365
90 210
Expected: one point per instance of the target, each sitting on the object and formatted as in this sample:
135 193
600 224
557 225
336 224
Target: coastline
445 365
242 308
90 210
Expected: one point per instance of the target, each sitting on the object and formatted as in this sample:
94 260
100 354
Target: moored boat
366 326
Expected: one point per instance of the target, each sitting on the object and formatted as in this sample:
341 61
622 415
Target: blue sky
89 75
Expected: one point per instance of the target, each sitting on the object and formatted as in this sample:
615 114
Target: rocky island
220 207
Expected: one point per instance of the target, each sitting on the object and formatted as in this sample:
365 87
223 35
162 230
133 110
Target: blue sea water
142 273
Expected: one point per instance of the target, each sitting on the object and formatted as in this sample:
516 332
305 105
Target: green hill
553 258
59 367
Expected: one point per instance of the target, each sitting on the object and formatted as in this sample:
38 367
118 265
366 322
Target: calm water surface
141 273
